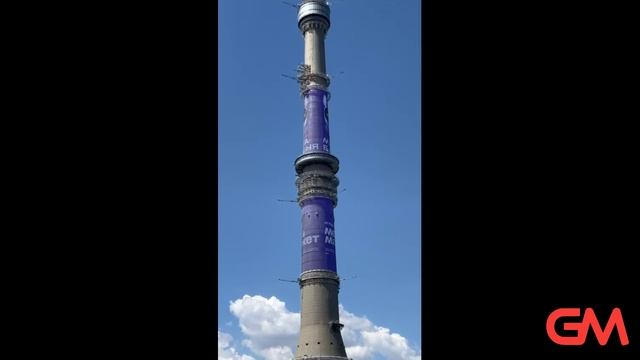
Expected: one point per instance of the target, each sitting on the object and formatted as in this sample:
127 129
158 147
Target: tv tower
317 184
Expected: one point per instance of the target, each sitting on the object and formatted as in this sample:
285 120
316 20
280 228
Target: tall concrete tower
317 184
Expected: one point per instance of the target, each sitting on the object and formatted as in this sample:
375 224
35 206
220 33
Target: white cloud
226 351
358 352
363 339
272 331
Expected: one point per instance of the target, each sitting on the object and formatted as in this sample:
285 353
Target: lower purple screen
318 235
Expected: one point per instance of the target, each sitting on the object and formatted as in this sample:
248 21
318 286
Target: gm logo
582 327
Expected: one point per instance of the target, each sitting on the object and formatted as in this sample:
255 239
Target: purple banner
316 122
318 235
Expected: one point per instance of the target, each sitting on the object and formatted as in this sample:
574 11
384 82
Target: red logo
589 319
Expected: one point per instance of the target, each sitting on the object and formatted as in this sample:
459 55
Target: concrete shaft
314 50
317 180
320 336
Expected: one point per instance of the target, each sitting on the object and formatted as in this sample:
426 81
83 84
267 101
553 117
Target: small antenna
334 76
290 4
350 278
295 281
286 200
290 77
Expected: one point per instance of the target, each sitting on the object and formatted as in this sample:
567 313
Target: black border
528 192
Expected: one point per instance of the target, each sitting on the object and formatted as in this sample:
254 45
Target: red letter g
566 340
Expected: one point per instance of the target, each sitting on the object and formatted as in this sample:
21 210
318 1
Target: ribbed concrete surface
318 336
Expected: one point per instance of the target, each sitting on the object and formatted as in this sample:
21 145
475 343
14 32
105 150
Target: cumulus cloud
272 331
363 339
226 351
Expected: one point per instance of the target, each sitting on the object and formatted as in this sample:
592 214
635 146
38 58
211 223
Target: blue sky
373 55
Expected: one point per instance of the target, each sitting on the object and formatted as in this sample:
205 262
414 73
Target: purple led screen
316 122
318 235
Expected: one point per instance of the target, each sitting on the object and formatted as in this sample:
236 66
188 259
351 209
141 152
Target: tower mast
316 168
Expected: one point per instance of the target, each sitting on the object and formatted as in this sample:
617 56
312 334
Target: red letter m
614 320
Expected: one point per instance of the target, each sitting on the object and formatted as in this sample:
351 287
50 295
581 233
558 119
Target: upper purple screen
316 122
